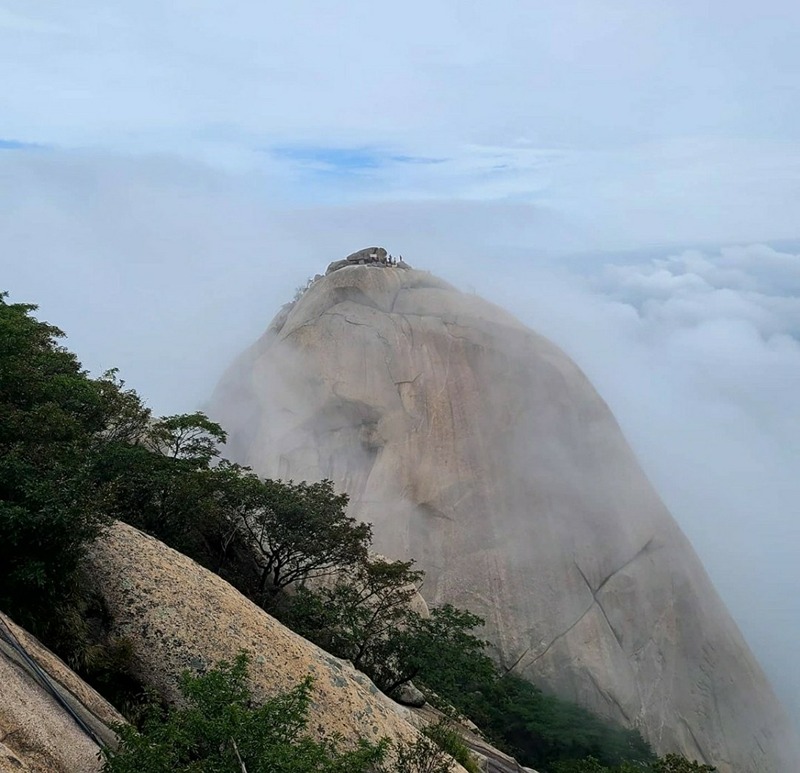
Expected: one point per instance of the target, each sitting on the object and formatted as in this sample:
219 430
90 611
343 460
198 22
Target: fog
625 179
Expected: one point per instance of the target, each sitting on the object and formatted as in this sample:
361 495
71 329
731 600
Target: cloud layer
642 121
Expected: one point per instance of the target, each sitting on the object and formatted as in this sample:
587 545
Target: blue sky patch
346 160
17 145
416 160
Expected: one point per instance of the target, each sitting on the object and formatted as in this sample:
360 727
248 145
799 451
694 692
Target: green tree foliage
423 756
545 728
193 438
444 655
300 531
588 765
356 615
220 730
126 418
179 496
77 451
672 763
366 617
51 417
260 535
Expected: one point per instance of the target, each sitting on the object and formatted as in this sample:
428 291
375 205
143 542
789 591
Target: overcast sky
624 176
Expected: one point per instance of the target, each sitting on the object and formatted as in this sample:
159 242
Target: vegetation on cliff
672 763
52 423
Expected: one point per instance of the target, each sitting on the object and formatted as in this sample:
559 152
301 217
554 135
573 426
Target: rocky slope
179 616
38 734
479 448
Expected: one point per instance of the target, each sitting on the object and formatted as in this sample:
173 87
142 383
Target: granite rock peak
479 448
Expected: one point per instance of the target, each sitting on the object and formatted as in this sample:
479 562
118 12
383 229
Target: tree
220 730
365 616
588 765
423 756
300 531
445 735
443 654
76 452
543 729
192 437
354 615
127 419
157 475
51 413
429 650
672 763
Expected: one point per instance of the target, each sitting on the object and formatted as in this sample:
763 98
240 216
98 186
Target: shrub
672 763
423 756
219 730
447 738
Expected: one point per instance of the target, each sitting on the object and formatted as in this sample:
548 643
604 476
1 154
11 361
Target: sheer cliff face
479 448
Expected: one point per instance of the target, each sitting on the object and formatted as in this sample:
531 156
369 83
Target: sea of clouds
698 354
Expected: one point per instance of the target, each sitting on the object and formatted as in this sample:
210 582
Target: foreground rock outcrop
38 734
478 448
179 616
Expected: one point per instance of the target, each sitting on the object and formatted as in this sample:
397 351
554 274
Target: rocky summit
479 448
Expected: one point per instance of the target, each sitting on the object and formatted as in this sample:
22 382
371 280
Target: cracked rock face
480 449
